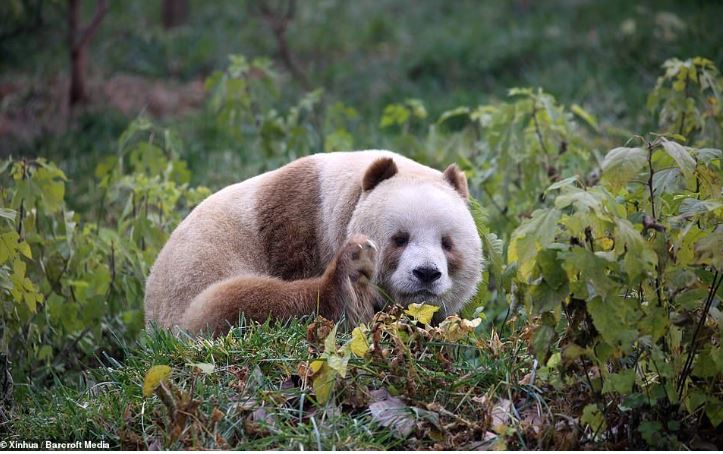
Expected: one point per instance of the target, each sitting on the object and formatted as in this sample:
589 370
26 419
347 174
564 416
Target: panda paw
356 266
360 255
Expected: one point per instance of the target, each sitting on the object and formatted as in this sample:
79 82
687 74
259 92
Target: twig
682 118
693 342
651 146
279 24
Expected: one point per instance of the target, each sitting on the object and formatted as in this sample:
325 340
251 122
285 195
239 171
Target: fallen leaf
338 363
330 341
531 418
304 370
318 330
324 379
455 328
154 377
206 368
495 343
393 414
216 415
501 415
421 312
359 344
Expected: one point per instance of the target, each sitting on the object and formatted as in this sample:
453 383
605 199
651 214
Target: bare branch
101 8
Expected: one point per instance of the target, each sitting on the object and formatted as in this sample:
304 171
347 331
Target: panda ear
380 170
456 178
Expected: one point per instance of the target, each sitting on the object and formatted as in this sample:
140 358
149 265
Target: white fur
427 210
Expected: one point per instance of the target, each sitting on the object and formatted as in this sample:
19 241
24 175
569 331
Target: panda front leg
345 290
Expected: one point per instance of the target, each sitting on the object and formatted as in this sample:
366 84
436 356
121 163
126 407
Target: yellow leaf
421 312
330 341
605 244
338 363
154 377
317 365
359 344
324 380
25 249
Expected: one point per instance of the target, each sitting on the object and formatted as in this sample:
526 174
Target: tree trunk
77 76
77 55
174 13
78 40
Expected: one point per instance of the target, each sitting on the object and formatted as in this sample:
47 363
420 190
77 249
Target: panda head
430 248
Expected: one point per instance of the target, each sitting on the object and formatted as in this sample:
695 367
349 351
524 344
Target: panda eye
446 243
401 239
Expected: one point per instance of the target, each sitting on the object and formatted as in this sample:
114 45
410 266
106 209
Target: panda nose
426 274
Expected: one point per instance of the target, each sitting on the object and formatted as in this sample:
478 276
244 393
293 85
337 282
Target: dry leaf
393 414
501 415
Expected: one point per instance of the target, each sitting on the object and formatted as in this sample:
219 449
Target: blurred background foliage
604 56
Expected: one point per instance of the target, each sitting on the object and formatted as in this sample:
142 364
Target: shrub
72 285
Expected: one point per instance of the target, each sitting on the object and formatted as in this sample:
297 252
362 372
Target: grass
260 397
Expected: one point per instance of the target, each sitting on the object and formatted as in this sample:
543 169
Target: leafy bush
619 278
73 285
608 264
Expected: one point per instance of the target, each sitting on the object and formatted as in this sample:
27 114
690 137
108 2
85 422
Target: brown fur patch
457 179
378 171
289 216
343 290
390 258
258 298
454 261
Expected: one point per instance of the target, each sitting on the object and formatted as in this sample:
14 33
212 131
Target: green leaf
650 430
709 250
541 341
615 318
545 298
708 155
654 322
621 165
593 418
591 269
394 115
531 236
634 400
330 341
714 412
455 118
681 156
667 181
692 207
621 382
417 108
585 115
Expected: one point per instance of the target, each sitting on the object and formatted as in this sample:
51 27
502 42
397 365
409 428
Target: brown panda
331 233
